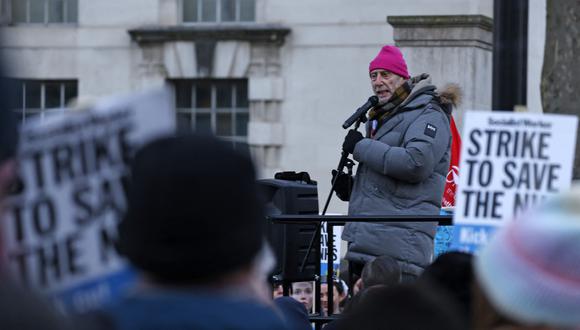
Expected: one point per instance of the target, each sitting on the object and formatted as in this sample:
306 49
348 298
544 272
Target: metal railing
339 220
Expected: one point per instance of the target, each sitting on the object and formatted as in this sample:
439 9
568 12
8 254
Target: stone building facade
275 76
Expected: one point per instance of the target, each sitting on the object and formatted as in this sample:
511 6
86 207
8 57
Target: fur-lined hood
449 96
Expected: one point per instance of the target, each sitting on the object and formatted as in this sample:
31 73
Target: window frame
46 11
234 110
25 112
218 10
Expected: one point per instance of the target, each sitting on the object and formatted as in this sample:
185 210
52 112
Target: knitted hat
390 58
530 270
193 212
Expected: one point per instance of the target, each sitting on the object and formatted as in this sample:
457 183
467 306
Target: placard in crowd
337 232
509 163
60 229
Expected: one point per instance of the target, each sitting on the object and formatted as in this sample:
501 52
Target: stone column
266 93
150 71
452 49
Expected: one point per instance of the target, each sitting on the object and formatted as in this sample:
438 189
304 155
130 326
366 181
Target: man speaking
403 161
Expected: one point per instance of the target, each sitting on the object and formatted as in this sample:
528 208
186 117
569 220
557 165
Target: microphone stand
341 164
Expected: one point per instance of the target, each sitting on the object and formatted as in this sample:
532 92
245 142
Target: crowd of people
207 266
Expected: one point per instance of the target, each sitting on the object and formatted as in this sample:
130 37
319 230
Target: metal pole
330 267
510 54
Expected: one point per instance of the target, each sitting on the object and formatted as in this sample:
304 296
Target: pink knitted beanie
390 58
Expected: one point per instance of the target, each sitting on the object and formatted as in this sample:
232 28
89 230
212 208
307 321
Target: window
39 97
220 11
218 107
43 11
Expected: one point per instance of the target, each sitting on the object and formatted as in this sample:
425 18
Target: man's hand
351 139
343 185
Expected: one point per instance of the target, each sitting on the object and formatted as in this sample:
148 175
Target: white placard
60 230
511 161
337 234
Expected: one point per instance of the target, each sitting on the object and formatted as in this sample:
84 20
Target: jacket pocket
381 185
429 190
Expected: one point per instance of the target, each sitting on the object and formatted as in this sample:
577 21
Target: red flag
453 174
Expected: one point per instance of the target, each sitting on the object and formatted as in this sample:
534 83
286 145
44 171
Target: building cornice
443 31
252 32
483 22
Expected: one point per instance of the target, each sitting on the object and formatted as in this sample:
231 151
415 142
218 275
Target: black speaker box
290 241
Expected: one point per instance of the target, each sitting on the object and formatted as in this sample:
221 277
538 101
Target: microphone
372 101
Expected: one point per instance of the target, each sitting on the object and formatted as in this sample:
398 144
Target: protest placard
509 163
60 229
336 234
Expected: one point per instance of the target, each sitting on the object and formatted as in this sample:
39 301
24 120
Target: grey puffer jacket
401 171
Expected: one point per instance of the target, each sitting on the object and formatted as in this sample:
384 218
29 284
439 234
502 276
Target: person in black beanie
194 229
192 202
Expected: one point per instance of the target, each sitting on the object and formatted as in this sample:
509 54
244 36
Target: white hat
530 270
